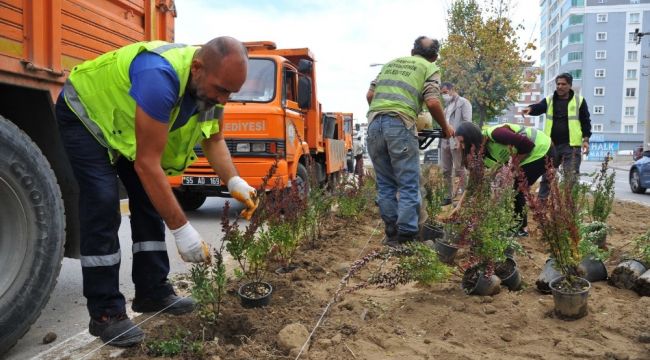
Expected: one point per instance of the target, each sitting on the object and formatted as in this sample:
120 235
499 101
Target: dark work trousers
99 221
569 157
532 171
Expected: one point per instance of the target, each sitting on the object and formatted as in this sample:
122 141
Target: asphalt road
622 186
66 314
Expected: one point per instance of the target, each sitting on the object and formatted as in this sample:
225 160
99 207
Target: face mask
446 97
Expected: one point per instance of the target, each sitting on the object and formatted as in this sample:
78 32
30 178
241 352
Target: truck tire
302 178
32 233
189 201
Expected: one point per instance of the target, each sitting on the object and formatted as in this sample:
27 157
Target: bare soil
414 322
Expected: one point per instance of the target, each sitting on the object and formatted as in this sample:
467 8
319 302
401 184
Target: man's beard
202 102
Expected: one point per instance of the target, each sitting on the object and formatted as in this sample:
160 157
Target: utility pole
646 138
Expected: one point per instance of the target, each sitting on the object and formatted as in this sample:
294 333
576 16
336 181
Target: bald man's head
218 69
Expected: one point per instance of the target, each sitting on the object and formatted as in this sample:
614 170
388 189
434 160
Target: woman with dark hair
527 145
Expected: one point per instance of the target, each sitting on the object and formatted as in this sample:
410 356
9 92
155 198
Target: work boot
405 238
171 304
116 330
391 241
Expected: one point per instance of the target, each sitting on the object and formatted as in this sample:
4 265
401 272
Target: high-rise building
594 40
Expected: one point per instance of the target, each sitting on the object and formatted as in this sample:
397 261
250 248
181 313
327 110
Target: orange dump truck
276 114
40 41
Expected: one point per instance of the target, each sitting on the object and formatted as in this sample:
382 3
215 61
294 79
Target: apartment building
594 40
531 93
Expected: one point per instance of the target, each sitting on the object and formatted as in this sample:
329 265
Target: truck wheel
189 201
302 177
32 233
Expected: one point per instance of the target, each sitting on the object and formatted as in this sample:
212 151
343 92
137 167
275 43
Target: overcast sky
346 36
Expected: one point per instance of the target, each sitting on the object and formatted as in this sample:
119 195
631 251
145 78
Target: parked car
640 174
637 153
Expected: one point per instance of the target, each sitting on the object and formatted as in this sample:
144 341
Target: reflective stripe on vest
573 114
101 260
500 154
399 85
149 246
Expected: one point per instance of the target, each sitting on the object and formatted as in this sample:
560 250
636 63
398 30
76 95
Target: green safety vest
399 85
500 154
97 91
573 112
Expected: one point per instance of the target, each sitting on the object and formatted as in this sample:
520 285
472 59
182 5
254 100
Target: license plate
202 180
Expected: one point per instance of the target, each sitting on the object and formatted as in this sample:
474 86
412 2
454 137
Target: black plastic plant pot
476 283
570 297
546 276
592 269
255 294
446 252
509 274
431 232
626 273
642 284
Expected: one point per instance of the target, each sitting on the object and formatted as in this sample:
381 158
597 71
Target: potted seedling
600 205
433 195
488 213
629 271
558 219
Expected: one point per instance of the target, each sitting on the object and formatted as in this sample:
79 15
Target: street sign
598 150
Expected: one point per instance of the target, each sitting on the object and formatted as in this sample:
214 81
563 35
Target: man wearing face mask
457 110
137 113
396 97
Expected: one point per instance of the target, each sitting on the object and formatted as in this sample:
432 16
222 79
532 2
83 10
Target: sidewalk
620 162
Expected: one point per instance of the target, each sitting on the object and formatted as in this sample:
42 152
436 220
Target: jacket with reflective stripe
400 83
500 154
98 93
573 113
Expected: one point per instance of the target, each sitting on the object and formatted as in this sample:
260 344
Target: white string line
332 300
135 326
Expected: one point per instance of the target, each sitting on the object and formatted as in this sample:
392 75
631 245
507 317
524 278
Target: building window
631 37
630 92
631 74
601 54
601 18
574 38
599 109
628 128
632 55
599 91
629 111
600 73
572 56
577 74
602 1
634 18
520 120
597 128
600 36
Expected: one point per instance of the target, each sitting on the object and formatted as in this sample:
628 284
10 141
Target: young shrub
352 198
209 287
642 248
558 220
488 215
602 192
414 262
179 344
434 191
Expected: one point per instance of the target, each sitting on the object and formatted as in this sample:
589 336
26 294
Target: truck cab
275 116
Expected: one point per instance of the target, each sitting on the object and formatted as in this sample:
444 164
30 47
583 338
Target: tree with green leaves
482 56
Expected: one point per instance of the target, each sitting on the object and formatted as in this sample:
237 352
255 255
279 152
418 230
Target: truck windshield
260 82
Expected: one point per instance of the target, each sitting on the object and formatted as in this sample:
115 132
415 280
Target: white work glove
190 245
240 190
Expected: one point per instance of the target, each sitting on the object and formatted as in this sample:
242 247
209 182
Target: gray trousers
569 157
451 162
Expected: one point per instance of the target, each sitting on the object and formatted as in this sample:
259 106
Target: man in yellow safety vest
567 123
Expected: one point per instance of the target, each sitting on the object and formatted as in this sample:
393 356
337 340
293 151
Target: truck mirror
305 66
304 92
